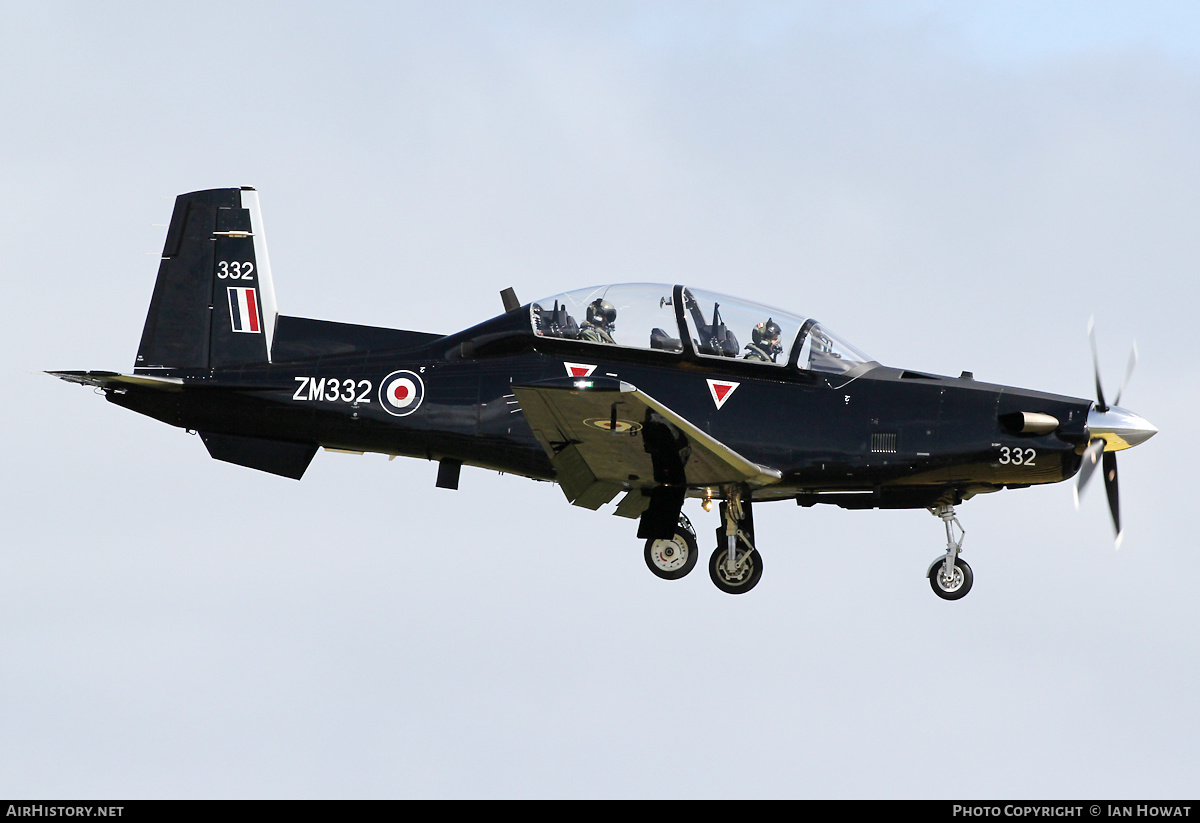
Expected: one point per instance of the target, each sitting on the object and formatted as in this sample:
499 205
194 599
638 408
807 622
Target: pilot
601 322
766 342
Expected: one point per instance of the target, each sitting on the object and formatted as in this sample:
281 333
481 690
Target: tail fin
214 301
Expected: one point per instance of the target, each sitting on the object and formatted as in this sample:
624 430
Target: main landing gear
950 576
735 567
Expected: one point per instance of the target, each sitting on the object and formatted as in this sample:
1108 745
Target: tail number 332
235 270
1017 456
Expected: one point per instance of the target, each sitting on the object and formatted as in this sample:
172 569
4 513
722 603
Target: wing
604 436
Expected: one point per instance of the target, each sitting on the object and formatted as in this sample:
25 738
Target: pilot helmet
601 313
767 332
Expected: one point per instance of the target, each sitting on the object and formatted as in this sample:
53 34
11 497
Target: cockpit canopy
646 316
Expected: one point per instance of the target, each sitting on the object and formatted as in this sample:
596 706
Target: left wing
604 436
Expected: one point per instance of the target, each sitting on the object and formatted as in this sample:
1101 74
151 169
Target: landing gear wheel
745 578
672 559
955 586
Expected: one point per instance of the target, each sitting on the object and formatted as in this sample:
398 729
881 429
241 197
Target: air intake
883 443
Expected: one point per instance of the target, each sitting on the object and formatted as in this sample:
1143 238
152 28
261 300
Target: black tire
674 558
747 581
951 589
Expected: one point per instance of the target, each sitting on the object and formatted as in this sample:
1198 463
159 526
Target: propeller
1100 404
1110 429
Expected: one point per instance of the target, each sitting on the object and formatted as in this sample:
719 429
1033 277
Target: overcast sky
948 186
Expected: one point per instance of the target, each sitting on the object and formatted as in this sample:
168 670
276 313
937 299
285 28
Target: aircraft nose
1119 428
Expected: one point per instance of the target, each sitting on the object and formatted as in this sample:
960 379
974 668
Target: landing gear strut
736 566
950 576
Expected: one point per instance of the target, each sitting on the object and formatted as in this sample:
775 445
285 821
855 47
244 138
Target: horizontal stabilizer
112 380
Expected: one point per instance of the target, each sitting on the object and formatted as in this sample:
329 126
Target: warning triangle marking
579 369
721 390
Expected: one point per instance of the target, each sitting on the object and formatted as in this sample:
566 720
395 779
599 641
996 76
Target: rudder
214 300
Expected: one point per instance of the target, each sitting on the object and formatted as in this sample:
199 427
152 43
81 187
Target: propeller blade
1110 486
1128 373
1100 404
1090 458
1112 429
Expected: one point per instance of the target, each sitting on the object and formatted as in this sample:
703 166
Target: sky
948 186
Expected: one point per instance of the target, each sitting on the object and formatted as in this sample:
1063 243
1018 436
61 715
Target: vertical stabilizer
214 301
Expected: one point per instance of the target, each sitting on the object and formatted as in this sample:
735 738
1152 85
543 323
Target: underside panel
273 456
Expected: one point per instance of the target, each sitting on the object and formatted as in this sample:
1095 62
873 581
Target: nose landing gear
950 576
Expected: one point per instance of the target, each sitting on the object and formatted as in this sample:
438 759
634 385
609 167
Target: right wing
604 436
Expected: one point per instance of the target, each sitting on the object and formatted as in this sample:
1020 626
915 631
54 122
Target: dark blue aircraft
656 393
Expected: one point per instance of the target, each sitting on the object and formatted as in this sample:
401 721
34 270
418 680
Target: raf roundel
401 393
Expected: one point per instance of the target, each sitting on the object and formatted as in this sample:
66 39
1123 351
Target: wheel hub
669 555
740 571
950 582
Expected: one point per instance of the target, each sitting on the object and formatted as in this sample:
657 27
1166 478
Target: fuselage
871 437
